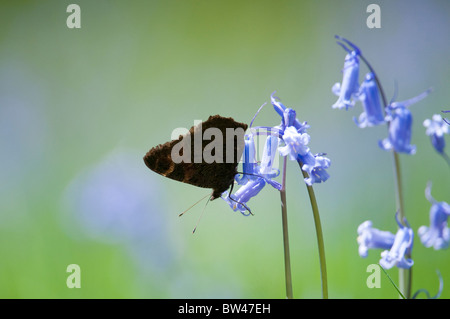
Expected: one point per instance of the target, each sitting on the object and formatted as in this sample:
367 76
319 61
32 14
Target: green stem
398 187
393 283
404 275
320 244
287 258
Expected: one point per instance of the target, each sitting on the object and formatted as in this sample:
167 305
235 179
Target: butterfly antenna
194 204
201 215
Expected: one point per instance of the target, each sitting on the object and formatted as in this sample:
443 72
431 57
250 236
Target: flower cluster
398 118
295 141
291 139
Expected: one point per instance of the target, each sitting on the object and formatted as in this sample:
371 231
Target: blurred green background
80 107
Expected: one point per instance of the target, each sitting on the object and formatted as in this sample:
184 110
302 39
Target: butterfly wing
215 175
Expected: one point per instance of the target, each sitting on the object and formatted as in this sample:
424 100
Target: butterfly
196 159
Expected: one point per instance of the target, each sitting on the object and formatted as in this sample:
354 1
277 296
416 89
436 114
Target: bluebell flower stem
287 258
405 275
320 244
398 186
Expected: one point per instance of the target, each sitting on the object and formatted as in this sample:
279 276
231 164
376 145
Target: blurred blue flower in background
116 203
25 142
119 202
438 234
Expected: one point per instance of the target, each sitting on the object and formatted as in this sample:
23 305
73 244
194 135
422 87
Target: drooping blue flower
280 109
399 253
295 143
265 168
397 247
399 139
249 164
400 123
254 176
369 95
239 199
348 90
436 128
373 238
268 157
317 172
438 234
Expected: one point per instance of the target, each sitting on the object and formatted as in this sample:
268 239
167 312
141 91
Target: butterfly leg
245 206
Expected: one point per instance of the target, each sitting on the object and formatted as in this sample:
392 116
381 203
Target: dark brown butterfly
197 159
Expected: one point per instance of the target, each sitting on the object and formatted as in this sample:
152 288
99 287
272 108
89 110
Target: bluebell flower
348 90
280 109
317 172
239 199
399 253
438 234
296 140
400 124
254 176
399 139
397 247
249 164
297 149
369 95
373 238
295 143
265 168
436 128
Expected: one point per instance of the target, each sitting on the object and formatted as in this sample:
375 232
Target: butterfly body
195 170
